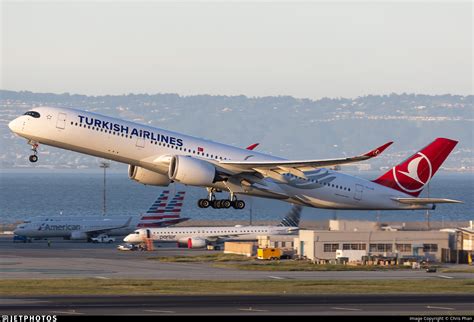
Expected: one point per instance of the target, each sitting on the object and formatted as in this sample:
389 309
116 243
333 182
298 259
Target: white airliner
198 237
159 157
161 214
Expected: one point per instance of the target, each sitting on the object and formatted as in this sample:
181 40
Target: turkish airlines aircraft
198 237
159 157
161 214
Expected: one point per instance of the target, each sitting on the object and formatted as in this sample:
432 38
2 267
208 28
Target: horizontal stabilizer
424 201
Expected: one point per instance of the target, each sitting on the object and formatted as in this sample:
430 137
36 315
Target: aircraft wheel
239 204
225 203
205 203
218 204
200 203
33 158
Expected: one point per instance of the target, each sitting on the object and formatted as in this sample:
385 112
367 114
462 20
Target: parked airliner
162 213
198 237
159 157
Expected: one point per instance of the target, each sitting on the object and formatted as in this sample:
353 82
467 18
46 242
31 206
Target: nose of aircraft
15 125
18 231
127 238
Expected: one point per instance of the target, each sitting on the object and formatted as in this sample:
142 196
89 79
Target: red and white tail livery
413 174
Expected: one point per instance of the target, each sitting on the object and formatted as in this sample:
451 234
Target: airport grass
304 266
242 262
202 258
91 286
458 270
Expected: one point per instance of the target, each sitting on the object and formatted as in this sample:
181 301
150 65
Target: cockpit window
33 114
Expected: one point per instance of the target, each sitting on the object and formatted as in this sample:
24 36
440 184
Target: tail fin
163 213
292 219
413 174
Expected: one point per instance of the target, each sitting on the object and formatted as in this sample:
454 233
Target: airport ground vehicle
269 253
102 239
127 247
21 239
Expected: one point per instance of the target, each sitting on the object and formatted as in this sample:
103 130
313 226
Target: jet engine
78 235
191 171
147 177
193 242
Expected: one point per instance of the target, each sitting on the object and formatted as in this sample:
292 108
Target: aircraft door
359 189
61 122
148 233
140 143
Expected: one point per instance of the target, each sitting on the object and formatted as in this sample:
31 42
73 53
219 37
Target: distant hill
285 126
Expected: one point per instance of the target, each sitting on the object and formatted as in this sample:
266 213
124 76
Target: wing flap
424 201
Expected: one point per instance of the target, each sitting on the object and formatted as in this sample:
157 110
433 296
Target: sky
303 49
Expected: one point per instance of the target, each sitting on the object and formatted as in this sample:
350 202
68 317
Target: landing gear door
61 122
359 189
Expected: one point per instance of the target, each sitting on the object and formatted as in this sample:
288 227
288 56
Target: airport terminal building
356 240
322 246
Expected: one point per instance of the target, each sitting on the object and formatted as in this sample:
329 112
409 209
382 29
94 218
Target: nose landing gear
34 147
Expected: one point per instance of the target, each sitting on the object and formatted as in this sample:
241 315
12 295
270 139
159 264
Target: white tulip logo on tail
414 179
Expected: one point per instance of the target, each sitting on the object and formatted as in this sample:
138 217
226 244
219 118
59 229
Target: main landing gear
34 147
223 203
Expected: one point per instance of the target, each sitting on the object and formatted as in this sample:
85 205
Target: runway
243 305
85 260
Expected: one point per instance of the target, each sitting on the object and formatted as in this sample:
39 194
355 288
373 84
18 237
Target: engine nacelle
191 171
78 235
147 177
193 242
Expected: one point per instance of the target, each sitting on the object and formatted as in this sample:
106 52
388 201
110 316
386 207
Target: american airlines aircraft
198 237
158 157
161 214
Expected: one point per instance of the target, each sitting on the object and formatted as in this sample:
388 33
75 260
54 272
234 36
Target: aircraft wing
296 167
424 201
216 238
106 229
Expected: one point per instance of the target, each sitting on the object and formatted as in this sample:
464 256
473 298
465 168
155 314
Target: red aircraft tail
412 175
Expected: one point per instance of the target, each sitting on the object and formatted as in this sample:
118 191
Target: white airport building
356 240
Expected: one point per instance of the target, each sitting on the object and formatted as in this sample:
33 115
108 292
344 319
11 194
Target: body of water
32 193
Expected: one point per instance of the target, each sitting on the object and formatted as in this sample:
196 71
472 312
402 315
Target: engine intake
193 242
78 235
147 177
191 171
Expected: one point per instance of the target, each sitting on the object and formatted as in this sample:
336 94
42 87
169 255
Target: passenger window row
152 142
323 183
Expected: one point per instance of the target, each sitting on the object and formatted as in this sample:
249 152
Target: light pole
251 211
104 165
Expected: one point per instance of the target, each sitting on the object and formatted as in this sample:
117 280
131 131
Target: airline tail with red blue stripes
164 213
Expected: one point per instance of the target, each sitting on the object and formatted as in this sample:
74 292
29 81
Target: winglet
378 150
253 146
